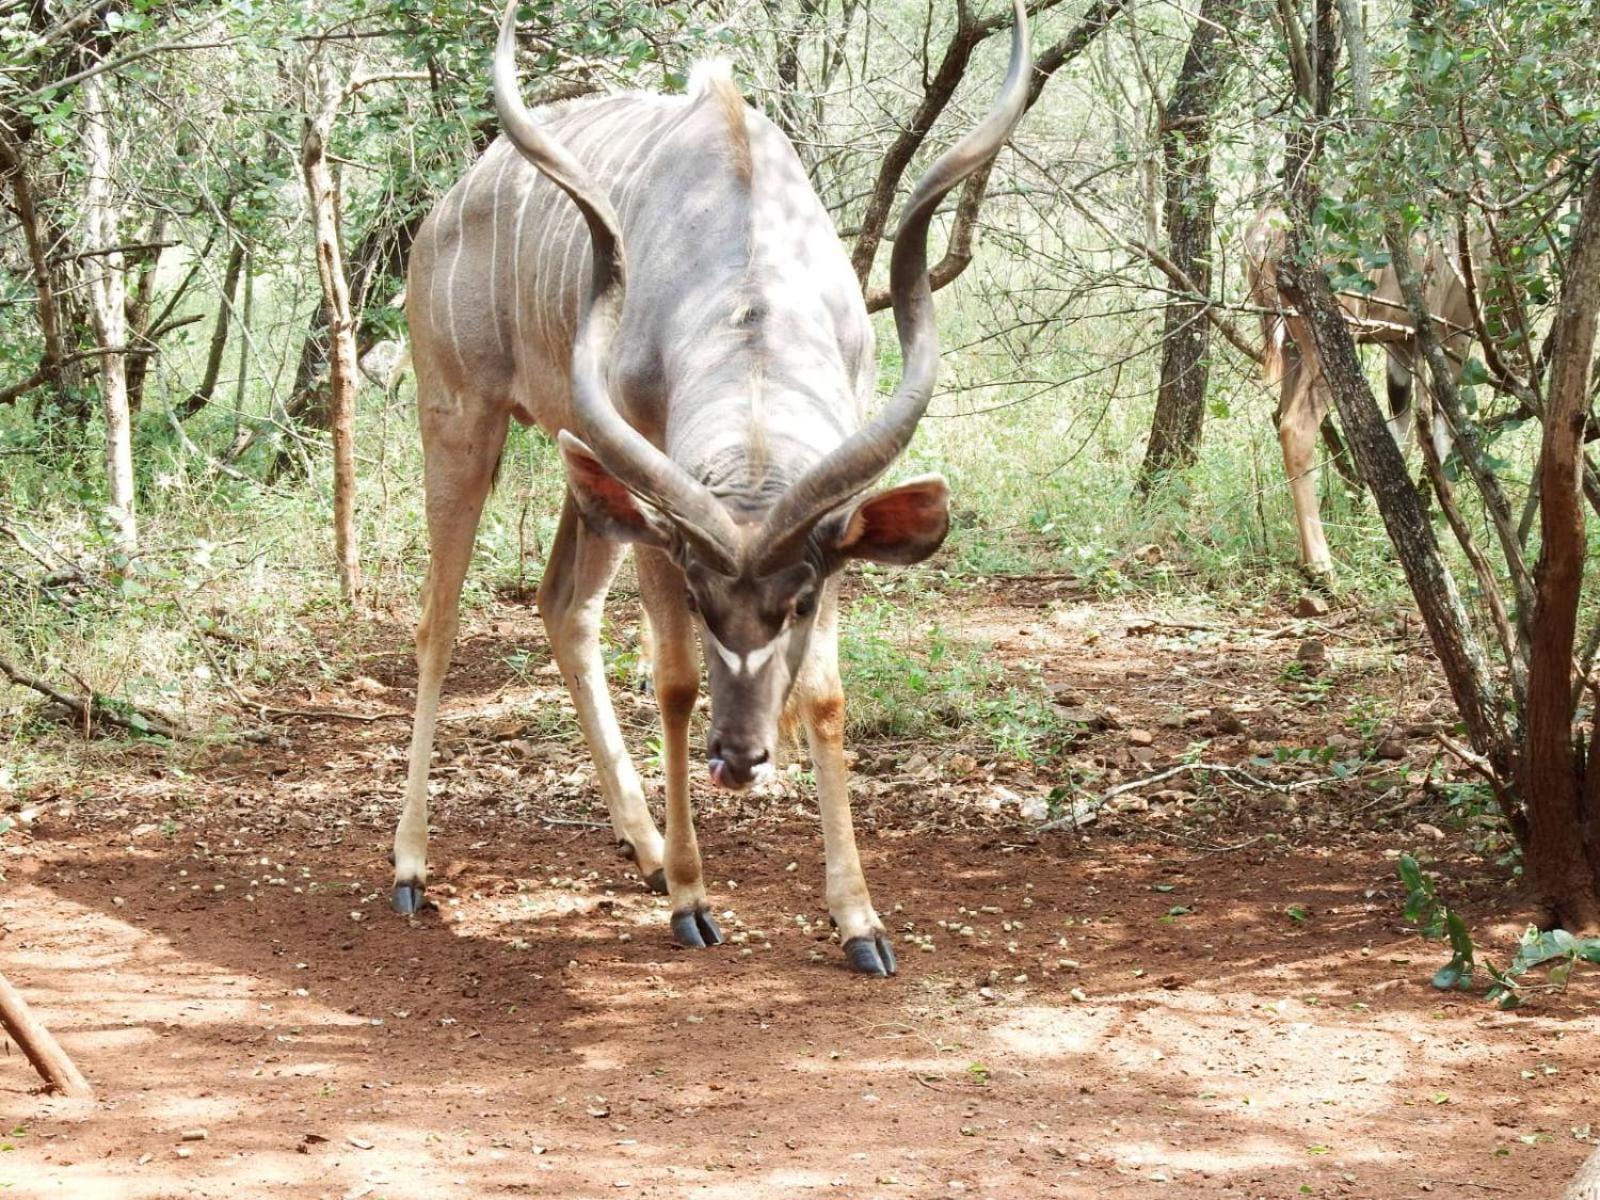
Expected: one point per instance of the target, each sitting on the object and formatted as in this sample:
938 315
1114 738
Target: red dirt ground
1130 1009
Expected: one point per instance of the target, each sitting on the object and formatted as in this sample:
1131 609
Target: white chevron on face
748 664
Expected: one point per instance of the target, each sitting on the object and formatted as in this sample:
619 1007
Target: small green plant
1537 947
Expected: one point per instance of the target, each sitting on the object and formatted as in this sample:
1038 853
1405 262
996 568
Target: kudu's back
727 247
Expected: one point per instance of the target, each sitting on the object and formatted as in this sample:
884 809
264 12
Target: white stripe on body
494 245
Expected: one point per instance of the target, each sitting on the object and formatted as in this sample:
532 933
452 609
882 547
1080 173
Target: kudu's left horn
867 453
626 452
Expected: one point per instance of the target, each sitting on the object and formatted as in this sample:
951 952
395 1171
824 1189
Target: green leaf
1411 874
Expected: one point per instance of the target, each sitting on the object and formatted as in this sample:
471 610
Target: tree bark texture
324 93
107 301
1382 465
201 396
55 366
1585 1184
38 1044
1560 857
1189 214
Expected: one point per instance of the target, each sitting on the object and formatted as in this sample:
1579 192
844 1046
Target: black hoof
695 929
870 955
408 899
656 881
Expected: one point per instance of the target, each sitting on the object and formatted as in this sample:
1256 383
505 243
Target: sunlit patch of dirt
1209 992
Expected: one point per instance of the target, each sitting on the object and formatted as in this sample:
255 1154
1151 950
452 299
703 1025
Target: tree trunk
1561 876
344 376
56 369
1189 212
107 298
141 331
1382 465
201 396
40 1047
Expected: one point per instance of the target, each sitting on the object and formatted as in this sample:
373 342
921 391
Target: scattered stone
1313 655
1226 721
1392 749
1087 717
1431 831
1140 737
1311 605
193 1135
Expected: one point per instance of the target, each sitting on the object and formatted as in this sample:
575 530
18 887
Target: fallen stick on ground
41 1048
95 707
1083 812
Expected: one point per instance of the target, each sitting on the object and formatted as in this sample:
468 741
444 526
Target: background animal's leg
677 682
1402 416
572 599
821 700
1300 413
460 450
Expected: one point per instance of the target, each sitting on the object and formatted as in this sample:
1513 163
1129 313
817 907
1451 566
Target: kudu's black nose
733 764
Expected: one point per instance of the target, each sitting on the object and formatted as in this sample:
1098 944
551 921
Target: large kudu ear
868 453
899 526
608 506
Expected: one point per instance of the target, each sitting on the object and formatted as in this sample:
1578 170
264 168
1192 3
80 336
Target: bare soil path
1214 997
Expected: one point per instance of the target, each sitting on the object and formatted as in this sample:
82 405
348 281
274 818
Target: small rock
1226 721
193 1135
1076 714
1432 831
1311 605
1140 737
1392 749
1313 655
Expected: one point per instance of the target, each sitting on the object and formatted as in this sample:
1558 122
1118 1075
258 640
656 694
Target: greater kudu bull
717 374
1378 315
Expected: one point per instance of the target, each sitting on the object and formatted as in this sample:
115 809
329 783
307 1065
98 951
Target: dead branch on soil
1236 775
38 1044
93 707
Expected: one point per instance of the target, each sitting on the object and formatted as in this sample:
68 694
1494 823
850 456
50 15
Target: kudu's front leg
676 677
459 457
572 600
821 699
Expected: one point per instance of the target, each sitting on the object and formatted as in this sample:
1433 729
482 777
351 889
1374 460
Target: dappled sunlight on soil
1158 1004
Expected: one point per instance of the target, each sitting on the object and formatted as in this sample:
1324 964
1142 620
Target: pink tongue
718 768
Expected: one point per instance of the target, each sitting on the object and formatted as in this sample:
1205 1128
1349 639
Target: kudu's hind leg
676 675
820 697
572 599
1402 416
1299 417
460 454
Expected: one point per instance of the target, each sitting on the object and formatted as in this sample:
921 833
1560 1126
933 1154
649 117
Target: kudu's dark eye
689 601
805 606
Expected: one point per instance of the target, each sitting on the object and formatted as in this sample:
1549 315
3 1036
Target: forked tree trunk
1560 866
324 94
107 299
1188 211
